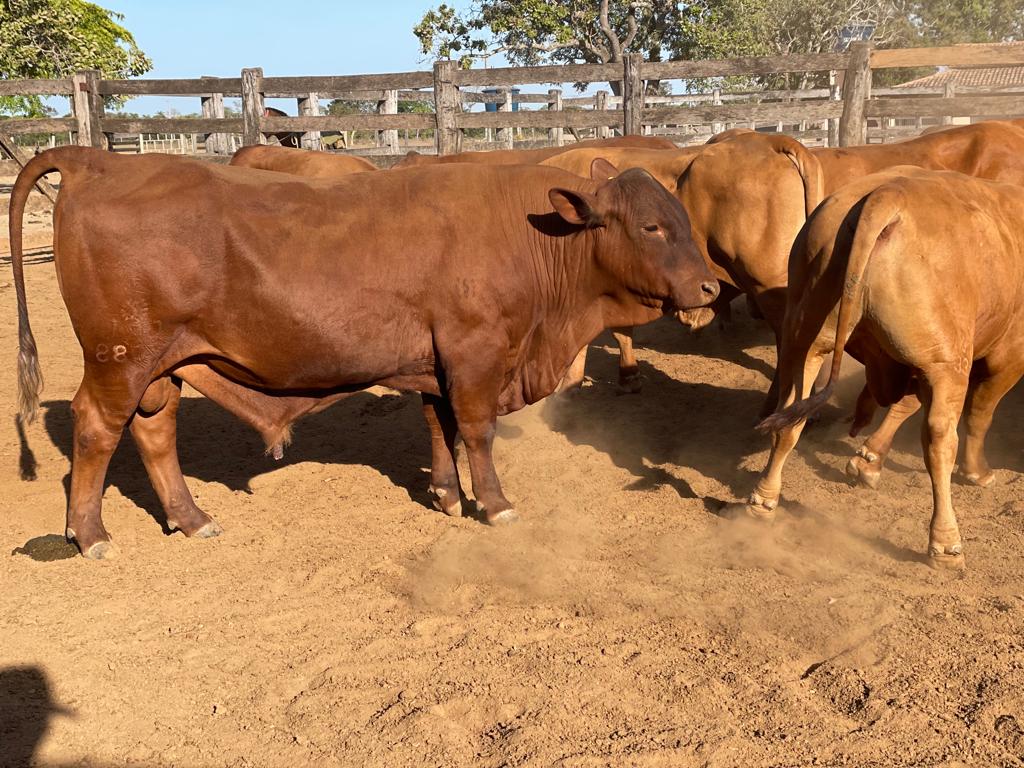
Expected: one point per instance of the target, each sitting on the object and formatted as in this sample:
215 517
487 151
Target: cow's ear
577 208
602 170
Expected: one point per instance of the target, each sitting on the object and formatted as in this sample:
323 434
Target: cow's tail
808 166
881 212
30 377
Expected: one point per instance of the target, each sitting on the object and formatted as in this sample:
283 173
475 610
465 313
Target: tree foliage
55 38
560 31
602 31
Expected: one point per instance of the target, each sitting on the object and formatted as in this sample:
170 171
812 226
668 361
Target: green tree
55 38
557 31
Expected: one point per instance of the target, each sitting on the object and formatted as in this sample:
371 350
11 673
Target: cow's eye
652 228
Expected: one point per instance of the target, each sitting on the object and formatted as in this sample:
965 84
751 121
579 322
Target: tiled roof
972 77
982 77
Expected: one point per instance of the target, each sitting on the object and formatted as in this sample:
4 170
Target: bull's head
642 236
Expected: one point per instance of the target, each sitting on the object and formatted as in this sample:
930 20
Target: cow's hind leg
942 392
154 428
444 476
101 408
984 398
763 501
866 465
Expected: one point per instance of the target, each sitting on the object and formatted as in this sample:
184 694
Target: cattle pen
847 110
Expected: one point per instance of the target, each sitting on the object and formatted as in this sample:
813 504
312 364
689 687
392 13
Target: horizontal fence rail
840 113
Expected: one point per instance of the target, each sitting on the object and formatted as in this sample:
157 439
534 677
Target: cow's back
991 150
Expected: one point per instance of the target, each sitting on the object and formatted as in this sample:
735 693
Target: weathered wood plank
949 56
856 91
566 73
959 106
540 118
35 87
750 65
19 125
166 87
768 113
295 86
365 122
172 125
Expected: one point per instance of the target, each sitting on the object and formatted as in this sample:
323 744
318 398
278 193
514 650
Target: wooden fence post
88 107
388 106
716 101
601 103
505 135
555 135
252 106
213 107
309 105
632 95
446 106
856 91
833 122
948 92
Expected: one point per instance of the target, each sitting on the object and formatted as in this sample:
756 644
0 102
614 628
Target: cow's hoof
505 517
442 501
982 481
947 558
207 531
865 468
101 550
630 385
760 509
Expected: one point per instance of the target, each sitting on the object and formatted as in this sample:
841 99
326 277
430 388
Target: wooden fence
844 108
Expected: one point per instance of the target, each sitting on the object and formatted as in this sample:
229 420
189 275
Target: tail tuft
799 411
30 377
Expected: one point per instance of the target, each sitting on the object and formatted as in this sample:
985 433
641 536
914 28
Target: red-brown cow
531 156
303 162
276 296
917 274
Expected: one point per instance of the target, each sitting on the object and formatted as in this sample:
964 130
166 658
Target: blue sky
189 38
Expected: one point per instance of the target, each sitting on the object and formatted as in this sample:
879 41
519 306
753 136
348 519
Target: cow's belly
323 349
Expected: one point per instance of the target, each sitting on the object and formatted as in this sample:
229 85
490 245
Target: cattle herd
288 280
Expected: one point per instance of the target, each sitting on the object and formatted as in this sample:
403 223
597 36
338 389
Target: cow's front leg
629 370
444 475
478 435
154 428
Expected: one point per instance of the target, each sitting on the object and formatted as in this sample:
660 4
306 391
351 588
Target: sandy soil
339 620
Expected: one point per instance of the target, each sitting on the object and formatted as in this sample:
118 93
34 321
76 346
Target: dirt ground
340 620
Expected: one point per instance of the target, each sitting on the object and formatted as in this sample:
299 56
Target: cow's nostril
710 288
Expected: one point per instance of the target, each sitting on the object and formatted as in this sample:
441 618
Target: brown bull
474 285
916 274
531 156
303 162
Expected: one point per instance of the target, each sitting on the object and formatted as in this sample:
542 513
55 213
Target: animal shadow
687 423
26 707
385 432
